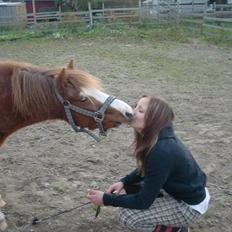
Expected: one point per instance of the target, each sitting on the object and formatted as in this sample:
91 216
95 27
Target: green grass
148 31
218 36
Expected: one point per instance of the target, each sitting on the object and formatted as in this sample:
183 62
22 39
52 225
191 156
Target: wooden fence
220 16
91 17
218 23
217 17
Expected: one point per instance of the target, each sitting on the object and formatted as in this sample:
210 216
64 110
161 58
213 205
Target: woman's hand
95 196
115 188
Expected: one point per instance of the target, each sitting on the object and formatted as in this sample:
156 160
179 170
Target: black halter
97 115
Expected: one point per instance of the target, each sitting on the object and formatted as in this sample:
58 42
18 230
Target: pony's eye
83 98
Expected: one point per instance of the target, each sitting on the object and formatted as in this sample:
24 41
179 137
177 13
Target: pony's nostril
129 116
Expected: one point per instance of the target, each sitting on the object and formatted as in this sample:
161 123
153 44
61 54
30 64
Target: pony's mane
78 78
33 88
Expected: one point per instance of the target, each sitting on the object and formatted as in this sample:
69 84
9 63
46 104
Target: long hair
157 116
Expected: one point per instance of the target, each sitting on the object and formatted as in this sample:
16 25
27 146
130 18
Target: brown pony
28 95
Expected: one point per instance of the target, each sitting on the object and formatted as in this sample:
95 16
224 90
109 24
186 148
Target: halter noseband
98 116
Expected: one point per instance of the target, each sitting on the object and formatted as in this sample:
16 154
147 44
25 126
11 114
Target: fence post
140 12
103 10
60 12
90 14
158 11
34 10
203 18
178 13
205 8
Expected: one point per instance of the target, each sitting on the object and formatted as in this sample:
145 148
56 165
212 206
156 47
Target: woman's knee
127 218
134 220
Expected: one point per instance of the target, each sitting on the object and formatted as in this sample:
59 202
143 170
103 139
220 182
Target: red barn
41 6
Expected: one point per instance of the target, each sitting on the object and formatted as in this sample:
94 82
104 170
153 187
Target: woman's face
140 109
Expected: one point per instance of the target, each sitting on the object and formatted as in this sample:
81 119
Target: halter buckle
66 103
98 116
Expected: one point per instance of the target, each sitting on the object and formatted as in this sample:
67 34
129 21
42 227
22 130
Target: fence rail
213 19
85 16
58 16
193 12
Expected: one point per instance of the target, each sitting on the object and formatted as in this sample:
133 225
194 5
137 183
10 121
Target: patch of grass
60 189
218 36
151 32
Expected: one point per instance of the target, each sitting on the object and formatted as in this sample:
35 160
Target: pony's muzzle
129 116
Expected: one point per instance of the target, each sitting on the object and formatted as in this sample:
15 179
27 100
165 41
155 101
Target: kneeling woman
168 187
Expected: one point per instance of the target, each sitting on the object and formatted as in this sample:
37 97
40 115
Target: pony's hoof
3 224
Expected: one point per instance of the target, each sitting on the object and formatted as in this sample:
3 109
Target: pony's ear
64 84
70 64
62 79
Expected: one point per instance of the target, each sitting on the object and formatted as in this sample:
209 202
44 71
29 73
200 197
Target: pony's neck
34 95
55 112
26 108
18 123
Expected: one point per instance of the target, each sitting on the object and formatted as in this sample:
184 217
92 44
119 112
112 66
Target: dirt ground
47 167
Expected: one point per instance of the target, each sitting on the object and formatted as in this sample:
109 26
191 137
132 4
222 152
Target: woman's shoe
162 228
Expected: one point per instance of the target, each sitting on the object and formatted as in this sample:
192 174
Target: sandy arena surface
47 167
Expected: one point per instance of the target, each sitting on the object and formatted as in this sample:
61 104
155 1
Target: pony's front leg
3 224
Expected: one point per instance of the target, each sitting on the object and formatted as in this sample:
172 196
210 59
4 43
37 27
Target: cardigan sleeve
158 167
131 178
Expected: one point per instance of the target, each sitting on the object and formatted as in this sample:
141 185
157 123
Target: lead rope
37 220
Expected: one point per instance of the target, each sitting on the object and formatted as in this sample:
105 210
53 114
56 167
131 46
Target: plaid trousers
165 210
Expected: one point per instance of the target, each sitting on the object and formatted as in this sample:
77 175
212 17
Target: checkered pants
164 211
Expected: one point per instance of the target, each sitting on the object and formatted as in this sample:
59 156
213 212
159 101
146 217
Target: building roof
10 3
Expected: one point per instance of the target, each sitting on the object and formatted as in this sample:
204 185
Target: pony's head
83 90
